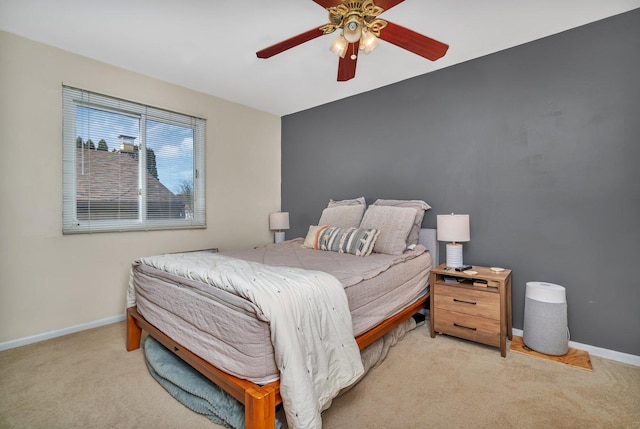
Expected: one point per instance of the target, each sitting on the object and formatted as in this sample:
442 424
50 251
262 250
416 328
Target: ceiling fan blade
387 4
414 42
347 66
329 3
289 43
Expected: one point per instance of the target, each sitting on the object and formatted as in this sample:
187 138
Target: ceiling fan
360 29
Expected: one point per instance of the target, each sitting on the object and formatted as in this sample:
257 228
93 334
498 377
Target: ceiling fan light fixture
368 42
339 46
352 29
358 22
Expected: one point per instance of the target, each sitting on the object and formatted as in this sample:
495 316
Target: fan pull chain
353 51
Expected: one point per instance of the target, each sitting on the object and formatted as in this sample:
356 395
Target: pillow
355 241
311 240
421 207
353 202
342 216
394 224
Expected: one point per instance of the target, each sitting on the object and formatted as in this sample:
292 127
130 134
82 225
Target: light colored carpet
88 380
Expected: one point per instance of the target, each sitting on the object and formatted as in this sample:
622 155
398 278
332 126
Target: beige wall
49 281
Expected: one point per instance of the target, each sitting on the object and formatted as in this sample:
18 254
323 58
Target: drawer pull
465 327
464 302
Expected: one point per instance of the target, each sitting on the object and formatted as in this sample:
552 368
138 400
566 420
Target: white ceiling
210 45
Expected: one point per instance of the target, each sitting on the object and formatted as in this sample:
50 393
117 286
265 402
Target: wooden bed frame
260 402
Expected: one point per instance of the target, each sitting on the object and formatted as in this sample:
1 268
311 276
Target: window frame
74 97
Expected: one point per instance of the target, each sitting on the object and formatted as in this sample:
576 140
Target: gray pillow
420 207
353 202
394 224
343 216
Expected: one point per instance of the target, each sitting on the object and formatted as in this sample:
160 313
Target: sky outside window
171 144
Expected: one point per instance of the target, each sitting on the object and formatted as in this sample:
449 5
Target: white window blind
128 166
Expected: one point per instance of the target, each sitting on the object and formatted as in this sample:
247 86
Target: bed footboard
134 332
260 402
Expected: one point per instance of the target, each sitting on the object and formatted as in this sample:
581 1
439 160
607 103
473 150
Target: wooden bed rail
260 402
391 323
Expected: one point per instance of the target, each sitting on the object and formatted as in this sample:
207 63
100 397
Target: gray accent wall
539 144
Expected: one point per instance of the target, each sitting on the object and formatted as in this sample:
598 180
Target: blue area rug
191 388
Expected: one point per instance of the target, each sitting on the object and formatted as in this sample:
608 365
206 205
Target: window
129 167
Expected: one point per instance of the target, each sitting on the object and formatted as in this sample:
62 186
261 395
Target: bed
229 339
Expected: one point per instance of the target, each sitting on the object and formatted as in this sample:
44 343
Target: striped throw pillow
355 241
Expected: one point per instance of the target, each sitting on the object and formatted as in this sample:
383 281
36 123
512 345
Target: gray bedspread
349 269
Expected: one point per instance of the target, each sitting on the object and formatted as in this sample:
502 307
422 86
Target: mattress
232 334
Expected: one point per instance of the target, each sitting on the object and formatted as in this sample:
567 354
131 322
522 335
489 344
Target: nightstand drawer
480 329
467 301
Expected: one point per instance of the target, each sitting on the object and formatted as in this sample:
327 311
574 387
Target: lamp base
454 255
279 237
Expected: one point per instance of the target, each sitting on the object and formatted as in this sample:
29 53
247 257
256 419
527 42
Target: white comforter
311 328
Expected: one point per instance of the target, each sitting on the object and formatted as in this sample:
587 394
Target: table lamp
279 221
453 228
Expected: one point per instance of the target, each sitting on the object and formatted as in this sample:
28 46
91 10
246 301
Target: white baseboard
60 332
598 351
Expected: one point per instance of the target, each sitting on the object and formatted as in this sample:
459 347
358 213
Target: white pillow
394 224
311 240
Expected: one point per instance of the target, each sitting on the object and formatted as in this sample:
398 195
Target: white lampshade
279 221
368 42
339 46
454 229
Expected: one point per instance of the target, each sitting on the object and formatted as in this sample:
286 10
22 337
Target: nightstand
476 307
